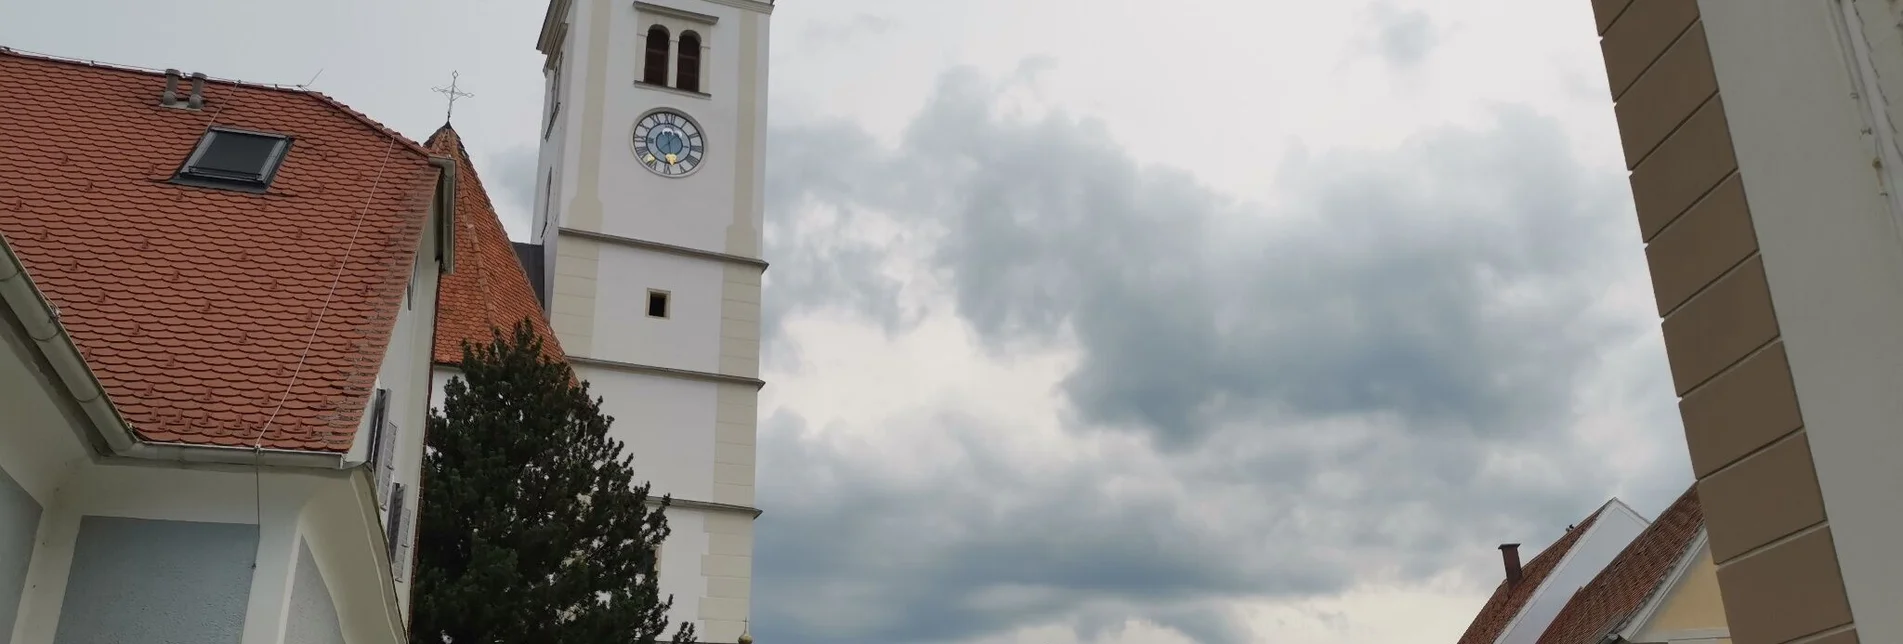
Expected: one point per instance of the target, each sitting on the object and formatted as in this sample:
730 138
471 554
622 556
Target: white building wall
1814 119
315 505
1616 527
685 339
406 374
554 128
650 413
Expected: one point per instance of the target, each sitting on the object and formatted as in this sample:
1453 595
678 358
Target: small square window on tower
234 158
657 303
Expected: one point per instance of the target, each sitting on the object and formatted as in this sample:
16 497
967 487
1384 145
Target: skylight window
236 158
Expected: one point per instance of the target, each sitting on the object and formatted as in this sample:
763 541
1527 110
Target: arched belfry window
687 77
654 70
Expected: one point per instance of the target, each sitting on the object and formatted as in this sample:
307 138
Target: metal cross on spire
452 93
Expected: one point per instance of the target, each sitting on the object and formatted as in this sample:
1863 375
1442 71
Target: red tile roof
1633 577
1506 602
204 312
488 290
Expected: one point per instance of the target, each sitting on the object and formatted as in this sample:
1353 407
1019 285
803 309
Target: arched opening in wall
687 77
654 70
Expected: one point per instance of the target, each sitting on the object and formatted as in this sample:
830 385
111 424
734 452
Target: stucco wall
688 338
19 518
138 580
313 618
665 423
1696 603
602 104
1805 530
406 372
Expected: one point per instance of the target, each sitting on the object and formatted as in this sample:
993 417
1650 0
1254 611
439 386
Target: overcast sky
1102 321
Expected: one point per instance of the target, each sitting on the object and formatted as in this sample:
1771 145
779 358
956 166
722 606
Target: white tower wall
682 388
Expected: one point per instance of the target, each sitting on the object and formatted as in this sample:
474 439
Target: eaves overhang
114 436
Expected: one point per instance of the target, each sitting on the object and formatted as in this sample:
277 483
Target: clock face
669 143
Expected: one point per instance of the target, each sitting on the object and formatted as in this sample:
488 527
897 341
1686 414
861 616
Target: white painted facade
58 442
682 387
405 374
1814 124
1615 528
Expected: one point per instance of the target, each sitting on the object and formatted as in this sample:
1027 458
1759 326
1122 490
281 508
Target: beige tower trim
1769 535
750 5
685 374
683 14
672 249
710 506
743 232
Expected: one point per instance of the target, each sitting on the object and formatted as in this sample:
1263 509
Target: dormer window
235 159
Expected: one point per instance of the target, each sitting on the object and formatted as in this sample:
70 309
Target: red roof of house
1633 577
205 312
1506 602
489 290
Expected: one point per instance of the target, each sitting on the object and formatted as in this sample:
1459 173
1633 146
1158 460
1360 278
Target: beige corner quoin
1762 161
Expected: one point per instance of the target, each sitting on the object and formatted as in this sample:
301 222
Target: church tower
648 222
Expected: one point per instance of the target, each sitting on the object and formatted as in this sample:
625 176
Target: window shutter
386 469
383 449
404 532
379 405
392 527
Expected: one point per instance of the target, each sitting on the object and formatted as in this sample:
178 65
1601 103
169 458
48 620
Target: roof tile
488 291
1507 601
207 312
1633 577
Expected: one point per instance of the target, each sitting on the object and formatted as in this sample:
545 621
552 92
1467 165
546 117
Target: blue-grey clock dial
669 144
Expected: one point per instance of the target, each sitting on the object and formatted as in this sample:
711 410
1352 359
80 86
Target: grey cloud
1403 37
511 180
822 177
844 33
846 556
1336 370
1381 288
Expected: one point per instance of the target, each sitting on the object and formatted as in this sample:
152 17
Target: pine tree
532 530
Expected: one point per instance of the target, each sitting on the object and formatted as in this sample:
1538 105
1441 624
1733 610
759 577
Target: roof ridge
1615 502
366 120
143 71
274 87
